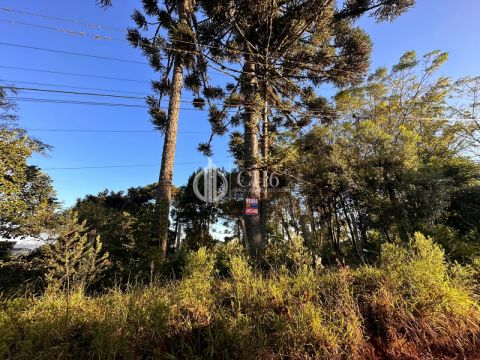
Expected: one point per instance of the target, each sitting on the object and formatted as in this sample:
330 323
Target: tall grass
410 305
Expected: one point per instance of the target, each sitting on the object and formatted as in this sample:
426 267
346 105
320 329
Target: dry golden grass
409 306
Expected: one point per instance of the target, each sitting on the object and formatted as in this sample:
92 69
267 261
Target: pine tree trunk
264 200
164 189
252 222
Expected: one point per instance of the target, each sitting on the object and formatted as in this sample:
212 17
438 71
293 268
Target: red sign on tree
251 206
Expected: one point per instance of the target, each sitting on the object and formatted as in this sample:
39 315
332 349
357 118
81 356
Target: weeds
412 304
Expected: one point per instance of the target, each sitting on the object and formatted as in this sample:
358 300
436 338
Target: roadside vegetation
410 304
366 244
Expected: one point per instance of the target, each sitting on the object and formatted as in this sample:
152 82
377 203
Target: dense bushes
410 305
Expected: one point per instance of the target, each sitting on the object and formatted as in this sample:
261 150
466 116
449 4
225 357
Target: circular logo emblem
215 184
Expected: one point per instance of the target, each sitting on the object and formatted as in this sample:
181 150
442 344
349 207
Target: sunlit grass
410 303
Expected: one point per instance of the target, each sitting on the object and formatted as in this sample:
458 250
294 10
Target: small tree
75 260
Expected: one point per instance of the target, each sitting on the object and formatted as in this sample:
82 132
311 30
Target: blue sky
449 25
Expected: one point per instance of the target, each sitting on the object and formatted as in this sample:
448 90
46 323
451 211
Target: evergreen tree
75 259
124 222
195 215
165 34
285 49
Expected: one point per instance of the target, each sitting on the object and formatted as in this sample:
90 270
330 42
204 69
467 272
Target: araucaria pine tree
285 49
165 33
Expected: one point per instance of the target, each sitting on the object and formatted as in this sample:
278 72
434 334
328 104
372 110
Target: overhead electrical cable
73 74
73 53
108 131
90 94
125 166
72 87
208 46
312 113
223 69
76 22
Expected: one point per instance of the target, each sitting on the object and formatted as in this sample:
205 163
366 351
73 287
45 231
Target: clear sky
449 25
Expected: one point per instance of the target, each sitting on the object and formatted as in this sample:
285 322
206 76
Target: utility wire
73 74
222 71
125 166
195 52
72 92
76 22
74 102
310 113
101 37
73 87
108 131
93 103
65 31
73 53
90 94
142 98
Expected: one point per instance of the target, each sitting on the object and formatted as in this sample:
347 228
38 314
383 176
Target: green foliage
27 198
291 254
192 297
224 253
413 289
5 249
75 260
393 168
124 221
411 305
195 215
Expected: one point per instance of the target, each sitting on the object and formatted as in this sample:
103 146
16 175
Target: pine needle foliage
75 260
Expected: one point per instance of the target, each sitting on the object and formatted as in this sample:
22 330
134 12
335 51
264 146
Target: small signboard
251 206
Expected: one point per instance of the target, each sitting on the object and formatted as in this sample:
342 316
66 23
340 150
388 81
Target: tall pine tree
285 49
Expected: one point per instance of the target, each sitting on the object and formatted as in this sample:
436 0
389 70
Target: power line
73 87
65 31
308 112
108 131
183 101
74 102
312 113
124 166
87 94
77 102
76 22
213 69
73 53
195 52
73 74
73 92
80 87
93 103
100 37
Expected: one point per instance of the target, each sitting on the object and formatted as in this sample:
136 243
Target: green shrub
412 305
293 255
416 302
